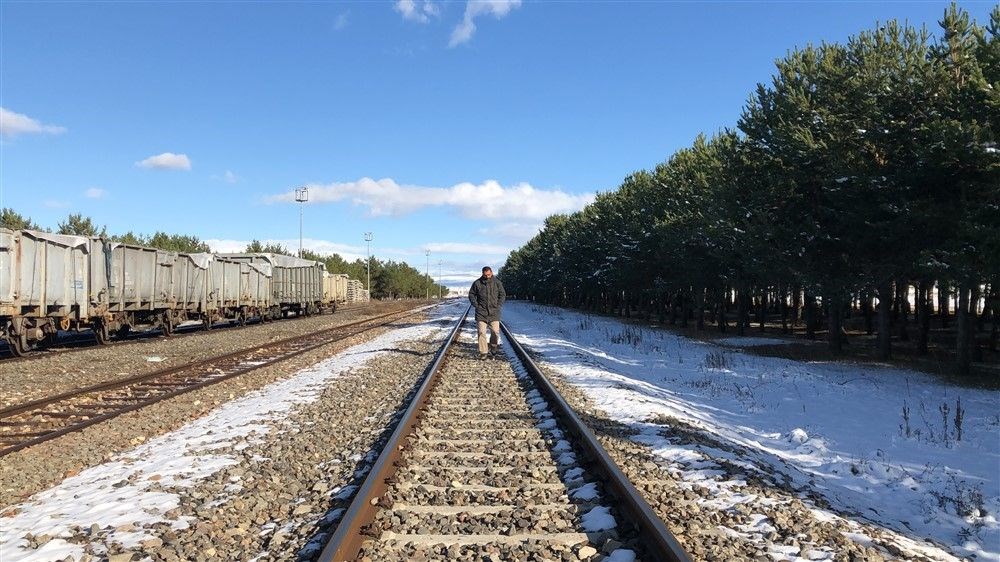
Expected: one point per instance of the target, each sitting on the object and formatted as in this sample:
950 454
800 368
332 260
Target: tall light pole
439 279
301 195
368 241
427 273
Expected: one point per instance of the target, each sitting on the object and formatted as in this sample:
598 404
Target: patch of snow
587 492
598 519
798 436
621 555
836 429
750 341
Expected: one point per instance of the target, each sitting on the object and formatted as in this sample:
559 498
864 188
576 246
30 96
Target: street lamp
368 241
427 273
301 196
439 279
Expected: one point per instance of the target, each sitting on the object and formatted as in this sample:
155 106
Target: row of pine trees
862 176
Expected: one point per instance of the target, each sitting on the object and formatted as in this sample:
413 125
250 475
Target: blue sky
453 126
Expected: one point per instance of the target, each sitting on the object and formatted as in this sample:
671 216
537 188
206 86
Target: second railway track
85 340
489 462
34 422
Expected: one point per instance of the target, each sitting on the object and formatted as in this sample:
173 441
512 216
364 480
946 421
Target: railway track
37 421
85 340
489 462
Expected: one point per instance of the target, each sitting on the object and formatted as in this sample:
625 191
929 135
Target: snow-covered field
896 447
118 494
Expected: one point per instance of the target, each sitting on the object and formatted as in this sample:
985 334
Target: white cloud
475 8
466 248
166 161
341 21
55 204
13 124
516 233
487 200
95 193
228 177
414 10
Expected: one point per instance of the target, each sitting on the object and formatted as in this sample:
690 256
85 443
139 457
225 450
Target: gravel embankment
292 487
771 518
31 470
57 371
272 491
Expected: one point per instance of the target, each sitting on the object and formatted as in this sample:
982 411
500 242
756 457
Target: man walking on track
487 295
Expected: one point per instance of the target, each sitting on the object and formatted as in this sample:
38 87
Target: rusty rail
81 341
346 541
659 542
175 383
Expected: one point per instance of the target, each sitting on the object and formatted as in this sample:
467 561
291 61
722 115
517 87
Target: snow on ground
117 493
750 341
875 441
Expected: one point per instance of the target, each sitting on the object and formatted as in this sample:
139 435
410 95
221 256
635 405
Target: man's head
487 272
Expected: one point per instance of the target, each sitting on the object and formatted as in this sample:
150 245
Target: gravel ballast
56 371
488 475
264 473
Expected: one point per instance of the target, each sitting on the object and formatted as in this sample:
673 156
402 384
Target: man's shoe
483 357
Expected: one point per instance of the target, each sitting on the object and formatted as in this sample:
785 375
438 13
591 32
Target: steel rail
119 383
349 536
82 342
348 539
182 388
659 542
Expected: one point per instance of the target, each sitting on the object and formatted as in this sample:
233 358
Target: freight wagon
334 289
296 284
52 282
47 283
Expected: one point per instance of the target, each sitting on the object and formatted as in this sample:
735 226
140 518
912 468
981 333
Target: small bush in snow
717 360
965 500
959 417
951 426
904 428
630 335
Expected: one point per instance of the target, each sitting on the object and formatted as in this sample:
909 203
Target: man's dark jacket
487 295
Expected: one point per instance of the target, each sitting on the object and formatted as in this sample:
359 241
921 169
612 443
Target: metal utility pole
439 279
301 195
427 273
368 264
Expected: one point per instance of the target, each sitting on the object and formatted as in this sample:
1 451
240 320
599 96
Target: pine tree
9 218
78 225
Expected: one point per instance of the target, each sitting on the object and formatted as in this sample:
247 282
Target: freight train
53 282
